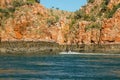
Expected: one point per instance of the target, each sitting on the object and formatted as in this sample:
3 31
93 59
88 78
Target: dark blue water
60 67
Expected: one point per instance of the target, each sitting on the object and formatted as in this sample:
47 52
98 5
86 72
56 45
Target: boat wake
69 52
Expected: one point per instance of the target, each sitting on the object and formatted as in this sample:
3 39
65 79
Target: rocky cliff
97 22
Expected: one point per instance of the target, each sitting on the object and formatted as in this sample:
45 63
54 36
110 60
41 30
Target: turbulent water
60 67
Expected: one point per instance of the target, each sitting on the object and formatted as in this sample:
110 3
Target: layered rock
87 36
30 23
112 3
110 32
25 21
5 3
33 22
90 6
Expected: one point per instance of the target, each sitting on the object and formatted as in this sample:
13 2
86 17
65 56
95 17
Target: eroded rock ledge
22 47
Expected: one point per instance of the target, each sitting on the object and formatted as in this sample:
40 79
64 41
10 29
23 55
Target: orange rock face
89 36
18 35
4 3
113 3
89 7
117 39
111 29
31 23
95 36
83 36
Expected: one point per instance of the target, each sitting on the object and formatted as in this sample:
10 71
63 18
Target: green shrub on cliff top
31 1
18 3
52 21
90 1
7 12
93 25
111 13
107 12
79 14
73 21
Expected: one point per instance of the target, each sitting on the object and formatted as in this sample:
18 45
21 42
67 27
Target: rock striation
97 22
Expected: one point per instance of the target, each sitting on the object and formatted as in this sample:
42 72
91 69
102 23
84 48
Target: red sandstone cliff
33 22
99 29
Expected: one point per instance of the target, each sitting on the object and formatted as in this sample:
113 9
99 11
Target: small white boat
69 52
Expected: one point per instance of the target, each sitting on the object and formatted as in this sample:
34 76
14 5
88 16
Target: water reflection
60 67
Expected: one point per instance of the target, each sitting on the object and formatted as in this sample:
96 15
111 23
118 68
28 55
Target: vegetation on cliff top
96 12
10 8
